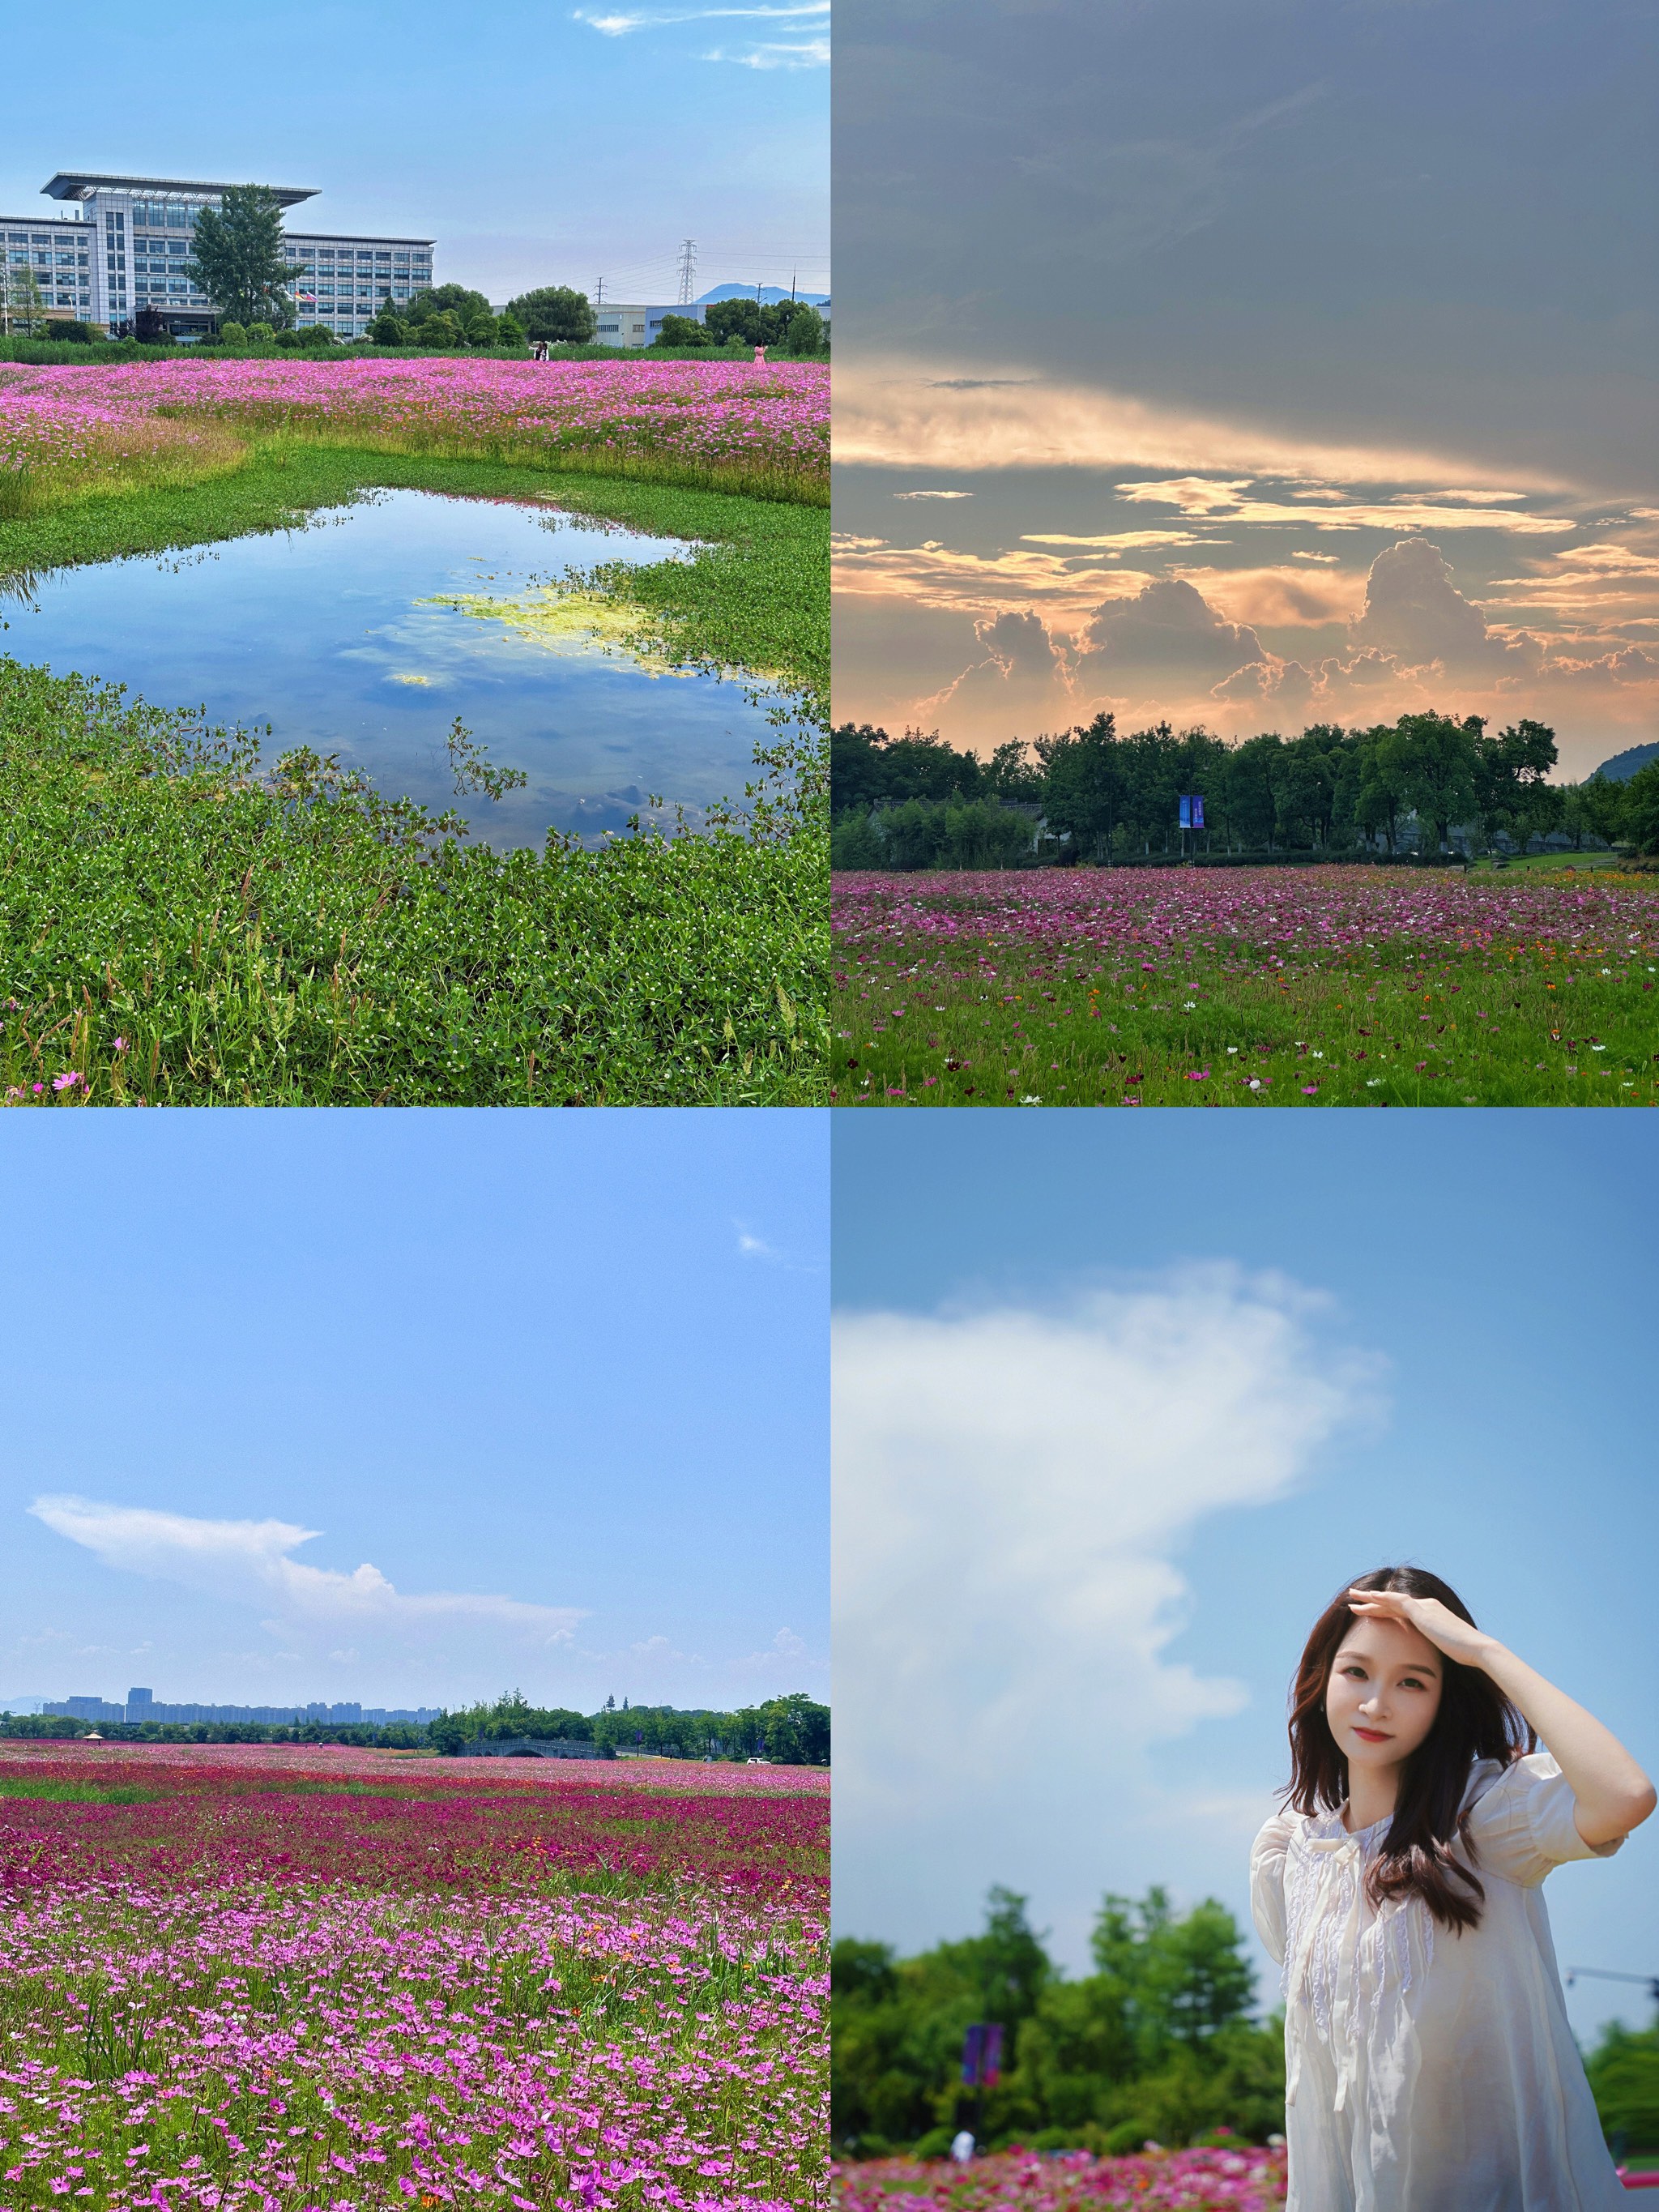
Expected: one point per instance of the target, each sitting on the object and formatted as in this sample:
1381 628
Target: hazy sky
1117 1415
407 1408
538 144
1164 325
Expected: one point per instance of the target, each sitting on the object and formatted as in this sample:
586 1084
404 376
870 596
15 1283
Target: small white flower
1319 1056
1598 1048
1232 1048
1256 1083
1030 1099
1188 1005
1371 1082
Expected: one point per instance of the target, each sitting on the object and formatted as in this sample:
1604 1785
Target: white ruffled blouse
1429 2071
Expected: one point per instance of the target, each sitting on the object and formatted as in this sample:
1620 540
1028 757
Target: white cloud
751 1246
249 1562
807 53
1012 1488
933 495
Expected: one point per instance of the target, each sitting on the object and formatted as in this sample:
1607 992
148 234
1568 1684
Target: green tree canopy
1156 2041
556 312
456 299
682 331
237 257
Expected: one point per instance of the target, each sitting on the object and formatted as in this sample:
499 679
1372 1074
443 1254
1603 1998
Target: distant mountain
1623 766
770 293
22 1705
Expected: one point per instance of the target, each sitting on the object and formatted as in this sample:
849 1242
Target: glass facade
130 251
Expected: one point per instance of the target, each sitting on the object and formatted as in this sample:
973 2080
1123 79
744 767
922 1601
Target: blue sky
538 144
1187 1375
558 1380
1161 327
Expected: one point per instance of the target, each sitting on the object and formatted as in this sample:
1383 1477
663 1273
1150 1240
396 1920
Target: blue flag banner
981 2055
1198 810
1186 811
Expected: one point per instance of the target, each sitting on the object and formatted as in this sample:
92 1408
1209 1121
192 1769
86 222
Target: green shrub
259 333
232 334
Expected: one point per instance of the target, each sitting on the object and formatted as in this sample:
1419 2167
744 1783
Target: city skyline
1271 368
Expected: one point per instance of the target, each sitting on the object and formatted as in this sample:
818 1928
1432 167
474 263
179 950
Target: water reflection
369 630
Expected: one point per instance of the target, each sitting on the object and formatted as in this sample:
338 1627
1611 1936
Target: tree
481 329
1432 761
457 301
440 330
684 330
1623 2078
22 306
556 312
509 331
1602 805
1085 789
806 333
237 257
386 329
1640 821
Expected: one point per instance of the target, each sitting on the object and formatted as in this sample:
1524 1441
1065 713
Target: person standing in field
1430 2064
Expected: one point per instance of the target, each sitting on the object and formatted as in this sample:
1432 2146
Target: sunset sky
1248 364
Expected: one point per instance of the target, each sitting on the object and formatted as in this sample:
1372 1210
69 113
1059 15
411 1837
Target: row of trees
915 801
398 1735
791 325
1158 2041
791 1731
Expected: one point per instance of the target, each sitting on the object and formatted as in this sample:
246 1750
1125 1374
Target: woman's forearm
1612 1794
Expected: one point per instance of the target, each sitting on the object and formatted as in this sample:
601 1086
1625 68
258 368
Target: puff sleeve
1268 1856
1522 1826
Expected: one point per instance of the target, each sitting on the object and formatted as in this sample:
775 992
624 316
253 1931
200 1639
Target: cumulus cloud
1021 671
250 1563
1169 630
1414 611
1013 1487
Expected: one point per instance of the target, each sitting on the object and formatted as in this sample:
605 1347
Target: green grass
179 926
1406 1028
75 1793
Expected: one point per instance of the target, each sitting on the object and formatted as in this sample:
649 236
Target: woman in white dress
1431 2067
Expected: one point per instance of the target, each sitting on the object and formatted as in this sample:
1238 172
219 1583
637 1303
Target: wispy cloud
808 53
751 1247
899 414
933 495
250 1563
803 50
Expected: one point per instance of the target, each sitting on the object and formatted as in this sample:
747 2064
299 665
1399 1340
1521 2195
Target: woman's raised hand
1438 1623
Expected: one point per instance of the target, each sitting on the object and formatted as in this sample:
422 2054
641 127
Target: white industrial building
124 248
634 326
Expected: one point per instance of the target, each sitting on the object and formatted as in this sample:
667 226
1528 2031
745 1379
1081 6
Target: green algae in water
569 623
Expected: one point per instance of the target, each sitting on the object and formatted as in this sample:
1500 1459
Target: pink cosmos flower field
307 1980
1247 2179
1318 986
725 423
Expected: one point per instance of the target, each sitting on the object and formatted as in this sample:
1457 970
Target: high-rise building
127 246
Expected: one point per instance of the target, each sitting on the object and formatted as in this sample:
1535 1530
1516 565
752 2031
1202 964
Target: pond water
338 635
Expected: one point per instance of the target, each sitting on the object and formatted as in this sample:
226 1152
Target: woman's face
1383 1692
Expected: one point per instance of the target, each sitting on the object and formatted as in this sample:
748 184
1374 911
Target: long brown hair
1474 1720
